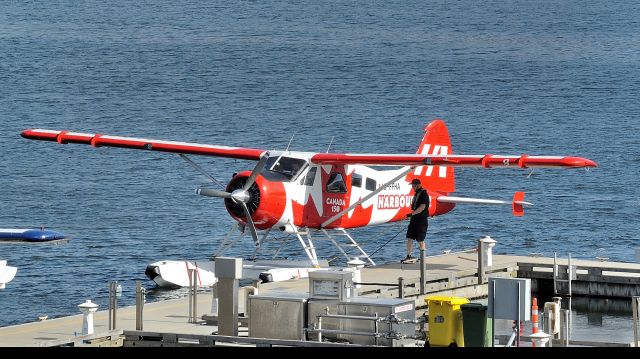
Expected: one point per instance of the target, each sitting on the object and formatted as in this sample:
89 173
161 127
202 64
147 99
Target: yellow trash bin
445 321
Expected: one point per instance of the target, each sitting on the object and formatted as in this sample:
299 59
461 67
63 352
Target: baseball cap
415 181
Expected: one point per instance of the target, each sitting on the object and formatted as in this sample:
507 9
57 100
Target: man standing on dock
418 223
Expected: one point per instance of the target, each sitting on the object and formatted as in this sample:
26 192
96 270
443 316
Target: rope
379 248
387 242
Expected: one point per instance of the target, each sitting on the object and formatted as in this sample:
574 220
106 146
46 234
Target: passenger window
371 184
356 180
309 179
336 183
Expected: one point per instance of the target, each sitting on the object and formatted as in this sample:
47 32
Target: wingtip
577 162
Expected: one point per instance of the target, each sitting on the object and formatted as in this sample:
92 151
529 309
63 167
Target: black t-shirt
419 198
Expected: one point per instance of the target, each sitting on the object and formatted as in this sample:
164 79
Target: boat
32 235
175 273
6 273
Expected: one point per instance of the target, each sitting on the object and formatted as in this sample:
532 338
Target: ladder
571 275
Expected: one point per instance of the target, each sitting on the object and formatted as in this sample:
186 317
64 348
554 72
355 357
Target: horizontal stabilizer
517 203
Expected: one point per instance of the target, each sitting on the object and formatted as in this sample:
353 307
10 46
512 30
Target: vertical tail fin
436 141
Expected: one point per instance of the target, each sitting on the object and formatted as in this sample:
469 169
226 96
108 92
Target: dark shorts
417 231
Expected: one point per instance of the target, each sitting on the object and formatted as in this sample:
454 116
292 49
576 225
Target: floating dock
169 322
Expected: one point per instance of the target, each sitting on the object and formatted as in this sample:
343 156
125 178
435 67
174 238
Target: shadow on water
591 305
607 320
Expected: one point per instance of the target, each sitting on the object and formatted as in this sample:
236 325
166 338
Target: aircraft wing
486 161
98 140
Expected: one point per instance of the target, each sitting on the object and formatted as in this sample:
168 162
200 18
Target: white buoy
87 308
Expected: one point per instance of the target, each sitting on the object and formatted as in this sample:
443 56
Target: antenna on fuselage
289 144
330 143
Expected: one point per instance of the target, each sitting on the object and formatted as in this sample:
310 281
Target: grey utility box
364 307
278 316
368 307
331 284
510 298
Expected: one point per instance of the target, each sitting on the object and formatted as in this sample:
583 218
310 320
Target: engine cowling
266 204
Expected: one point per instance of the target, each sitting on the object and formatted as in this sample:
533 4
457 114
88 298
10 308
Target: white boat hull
174 274
7 273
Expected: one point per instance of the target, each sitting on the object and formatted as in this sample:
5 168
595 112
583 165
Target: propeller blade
256 170
252 226
209 192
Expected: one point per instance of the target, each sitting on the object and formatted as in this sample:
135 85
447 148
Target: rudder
435 141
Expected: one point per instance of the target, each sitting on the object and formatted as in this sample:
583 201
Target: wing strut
200 169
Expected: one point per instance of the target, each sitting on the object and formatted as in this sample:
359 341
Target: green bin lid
473 306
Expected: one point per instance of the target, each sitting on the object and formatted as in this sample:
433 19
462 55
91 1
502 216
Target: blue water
508 77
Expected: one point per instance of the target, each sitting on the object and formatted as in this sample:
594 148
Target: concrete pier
451 274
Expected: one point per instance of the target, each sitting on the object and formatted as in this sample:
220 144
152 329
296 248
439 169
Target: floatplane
319 196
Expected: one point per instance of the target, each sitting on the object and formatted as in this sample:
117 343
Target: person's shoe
408 258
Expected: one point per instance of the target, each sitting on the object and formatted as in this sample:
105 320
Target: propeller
241 196
209 192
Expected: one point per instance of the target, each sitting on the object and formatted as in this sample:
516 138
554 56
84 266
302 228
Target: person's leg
409 246
420 237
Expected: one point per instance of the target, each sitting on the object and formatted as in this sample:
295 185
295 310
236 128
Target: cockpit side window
370 184
336 183
356 180
310 177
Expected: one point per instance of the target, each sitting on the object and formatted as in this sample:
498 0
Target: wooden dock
451 274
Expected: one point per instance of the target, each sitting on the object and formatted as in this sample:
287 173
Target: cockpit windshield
287 166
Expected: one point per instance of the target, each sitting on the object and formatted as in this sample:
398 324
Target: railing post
194 278
140 299
377 328
481 274
193 287
549 319
569 273
564 328
423 269
555 273
401 288
635 304
113 304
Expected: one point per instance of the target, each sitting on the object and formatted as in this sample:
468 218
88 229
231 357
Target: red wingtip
580 162
34 134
